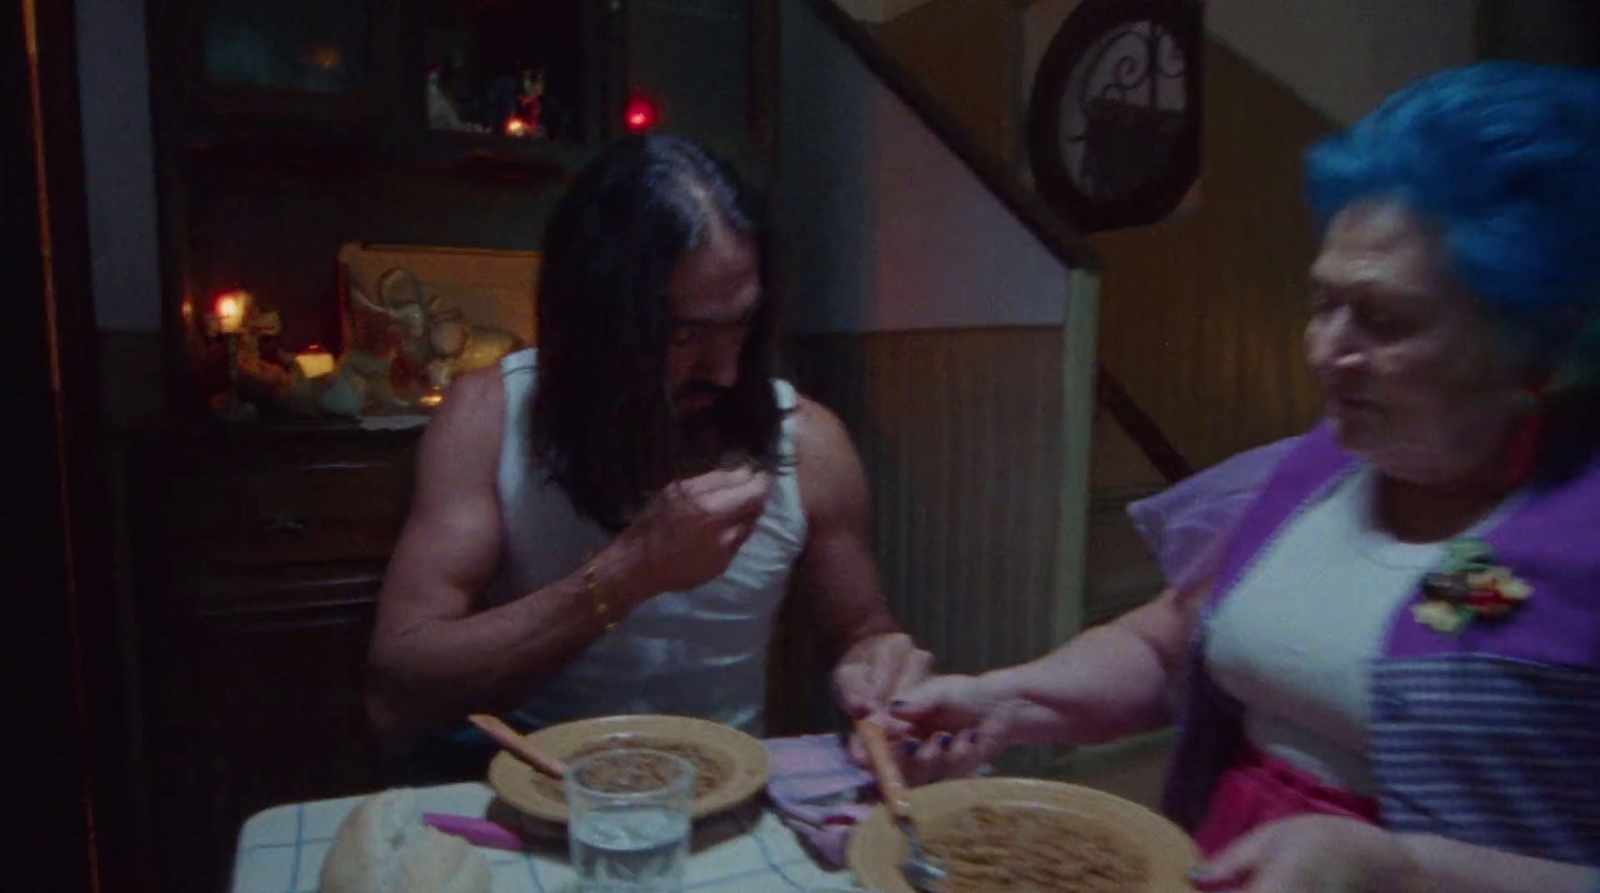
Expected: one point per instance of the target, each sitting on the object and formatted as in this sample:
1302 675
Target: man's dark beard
702 390
700 438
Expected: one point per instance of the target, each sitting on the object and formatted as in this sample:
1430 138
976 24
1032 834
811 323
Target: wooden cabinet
258 556
311 499
286 130
394 74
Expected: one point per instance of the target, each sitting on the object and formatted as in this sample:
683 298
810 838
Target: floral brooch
1469 586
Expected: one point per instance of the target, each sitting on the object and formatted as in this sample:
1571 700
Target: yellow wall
1201 318
960 51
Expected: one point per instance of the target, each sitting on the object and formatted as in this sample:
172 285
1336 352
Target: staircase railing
1056 234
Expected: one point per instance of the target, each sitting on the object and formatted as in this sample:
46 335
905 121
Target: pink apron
1259 789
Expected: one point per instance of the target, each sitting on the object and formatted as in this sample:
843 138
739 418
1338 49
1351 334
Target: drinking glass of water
628 820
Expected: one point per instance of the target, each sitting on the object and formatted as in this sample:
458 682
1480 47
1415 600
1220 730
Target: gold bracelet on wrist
602 609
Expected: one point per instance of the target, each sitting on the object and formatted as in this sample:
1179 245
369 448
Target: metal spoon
918 869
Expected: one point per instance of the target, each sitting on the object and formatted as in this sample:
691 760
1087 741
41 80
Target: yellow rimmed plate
740 759
877 848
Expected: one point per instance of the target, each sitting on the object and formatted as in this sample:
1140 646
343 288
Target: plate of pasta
1023 835
730 766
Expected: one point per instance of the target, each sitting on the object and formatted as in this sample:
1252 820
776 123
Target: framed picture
312 61
415 317
488 288
1114 108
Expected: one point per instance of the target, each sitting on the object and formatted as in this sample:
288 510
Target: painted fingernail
946 739
911 746
897 704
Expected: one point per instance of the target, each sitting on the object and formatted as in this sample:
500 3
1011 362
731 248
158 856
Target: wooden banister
1055 234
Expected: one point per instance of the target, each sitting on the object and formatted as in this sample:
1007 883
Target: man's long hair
603 423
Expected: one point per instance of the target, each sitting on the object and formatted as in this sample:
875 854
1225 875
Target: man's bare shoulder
818 433
832 482
462 443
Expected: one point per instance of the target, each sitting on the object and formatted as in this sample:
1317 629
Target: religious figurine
417 344
442 113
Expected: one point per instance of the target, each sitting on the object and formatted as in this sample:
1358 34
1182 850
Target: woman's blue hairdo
1504 158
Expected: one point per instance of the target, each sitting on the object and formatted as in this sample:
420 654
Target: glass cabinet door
521 69
302 46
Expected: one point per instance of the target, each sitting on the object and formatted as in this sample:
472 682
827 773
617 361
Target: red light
641 114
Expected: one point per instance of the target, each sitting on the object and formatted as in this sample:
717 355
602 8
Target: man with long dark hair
609 524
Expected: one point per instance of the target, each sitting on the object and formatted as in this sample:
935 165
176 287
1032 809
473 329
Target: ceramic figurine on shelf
241 325
427 341
458 347
442 114
261 376
361 386
530 104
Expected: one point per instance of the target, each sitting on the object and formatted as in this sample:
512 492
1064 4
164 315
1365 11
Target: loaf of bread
382 846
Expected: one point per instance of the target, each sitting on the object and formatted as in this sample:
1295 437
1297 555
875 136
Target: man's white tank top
697 653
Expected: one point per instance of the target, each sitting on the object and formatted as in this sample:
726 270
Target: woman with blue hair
1386 674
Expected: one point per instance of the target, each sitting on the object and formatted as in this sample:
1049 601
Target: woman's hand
875 670
949 726
1311 854
1110 681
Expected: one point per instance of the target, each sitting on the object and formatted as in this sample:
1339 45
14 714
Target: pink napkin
819 792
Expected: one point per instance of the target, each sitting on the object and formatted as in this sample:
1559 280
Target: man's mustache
700 389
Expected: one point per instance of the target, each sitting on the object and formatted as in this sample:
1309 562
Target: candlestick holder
232 408
227 322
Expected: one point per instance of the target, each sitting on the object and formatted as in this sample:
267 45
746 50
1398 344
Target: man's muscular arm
434 655
836 573
438 654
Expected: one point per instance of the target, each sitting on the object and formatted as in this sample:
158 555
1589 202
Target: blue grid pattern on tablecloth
281 851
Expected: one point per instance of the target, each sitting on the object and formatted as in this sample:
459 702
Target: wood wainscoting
960 434
969 441
1202 319
964 470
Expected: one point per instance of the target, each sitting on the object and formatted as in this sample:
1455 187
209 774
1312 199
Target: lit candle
229 311
314 362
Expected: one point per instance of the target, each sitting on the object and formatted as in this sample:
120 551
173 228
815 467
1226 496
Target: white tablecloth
281 850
